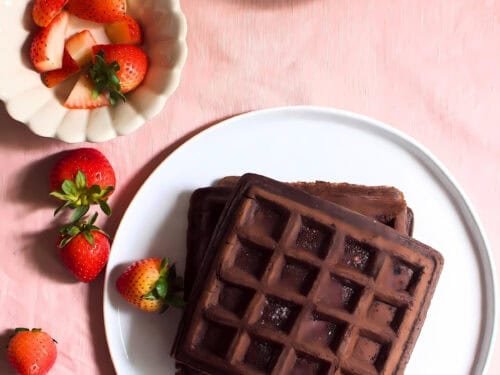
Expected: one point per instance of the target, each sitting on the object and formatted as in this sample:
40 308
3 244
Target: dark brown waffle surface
383 203
294 284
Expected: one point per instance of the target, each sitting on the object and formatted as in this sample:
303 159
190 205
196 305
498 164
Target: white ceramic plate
28 100
304 143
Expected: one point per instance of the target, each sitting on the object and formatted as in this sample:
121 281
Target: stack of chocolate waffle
305 278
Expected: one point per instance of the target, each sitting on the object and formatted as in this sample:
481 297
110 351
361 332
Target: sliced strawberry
79 46
47 47
81 97
54 77
44 11
102 11
125 31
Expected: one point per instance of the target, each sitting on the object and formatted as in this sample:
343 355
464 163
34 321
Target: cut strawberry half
47 47
125 31
79 47
68 69
102 11
82 96
44 11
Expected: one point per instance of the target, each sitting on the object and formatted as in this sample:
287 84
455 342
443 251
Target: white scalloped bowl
28 100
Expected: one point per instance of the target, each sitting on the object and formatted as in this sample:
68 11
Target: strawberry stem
167 287
104 77
76 195
73 229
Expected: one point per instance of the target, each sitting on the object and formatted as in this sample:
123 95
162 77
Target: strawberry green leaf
76 194
105 207
65 241
66 204
150 296
162 287
69 187
73 231
92 219
80 180
164 267
94 190
21 329
104 78
58 195
89 237
79 212
75 228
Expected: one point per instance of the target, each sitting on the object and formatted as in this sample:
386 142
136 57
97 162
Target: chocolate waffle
295 284
383 203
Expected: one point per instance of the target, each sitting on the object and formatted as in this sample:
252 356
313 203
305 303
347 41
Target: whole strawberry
151 285
117 69
31 352
84 249
80 178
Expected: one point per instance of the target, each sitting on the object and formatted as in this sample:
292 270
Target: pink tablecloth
428 68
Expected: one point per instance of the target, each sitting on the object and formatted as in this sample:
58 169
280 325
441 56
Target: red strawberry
151 285
69 68
125 31
80 178
47 47
44 11
102 11
82 96
84 249
117 69
79 46
31 352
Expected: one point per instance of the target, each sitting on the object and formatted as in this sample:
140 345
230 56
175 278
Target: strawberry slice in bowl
44 11
125 31
79 47
68 69
102 11
82 96
47 47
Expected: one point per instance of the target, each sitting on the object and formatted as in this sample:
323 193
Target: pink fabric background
428 68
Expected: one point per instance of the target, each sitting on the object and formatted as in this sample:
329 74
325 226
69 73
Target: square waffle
295 284
383 203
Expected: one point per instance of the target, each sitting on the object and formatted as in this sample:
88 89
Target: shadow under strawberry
5 368
31 185
42 251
